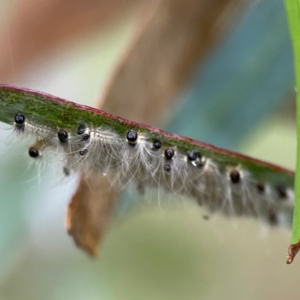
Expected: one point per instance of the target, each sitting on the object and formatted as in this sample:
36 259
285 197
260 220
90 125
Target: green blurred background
241 96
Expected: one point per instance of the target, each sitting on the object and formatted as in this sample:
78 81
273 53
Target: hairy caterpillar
86 139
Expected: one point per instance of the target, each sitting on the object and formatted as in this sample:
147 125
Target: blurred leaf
37 28
164 55
173 35
241 82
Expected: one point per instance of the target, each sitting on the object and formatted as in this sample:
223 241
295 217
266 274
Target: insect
81 138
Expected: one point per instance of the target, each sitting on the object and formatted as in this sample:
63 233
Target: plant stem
293 12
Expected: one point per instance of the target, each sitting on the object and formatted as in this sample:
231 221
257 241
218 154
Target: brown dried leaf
164 54
173 36
90 211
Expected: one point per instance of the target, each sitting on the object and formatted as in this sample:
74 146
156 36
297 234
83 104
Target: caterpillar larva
90 140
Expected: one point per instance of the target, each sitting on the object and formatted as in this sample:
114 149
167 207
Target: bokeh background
217 71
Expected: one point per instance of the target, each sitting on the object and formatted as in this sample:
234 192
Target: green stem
293 12
46 110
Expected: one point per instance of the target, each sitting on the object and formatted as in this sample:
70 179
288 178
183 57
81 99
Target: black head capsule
282 192
195 158
260 187
132 137
19 119
235 176
192 155
80 129
83 152
86 137
167 168
62 135
169 153
33 152
156 145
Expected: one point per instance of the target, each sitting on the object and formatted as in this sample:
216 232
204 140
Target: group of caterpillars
148 163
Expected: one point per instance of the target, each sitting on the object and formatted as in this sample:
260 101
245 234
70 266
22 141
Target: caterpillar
90 140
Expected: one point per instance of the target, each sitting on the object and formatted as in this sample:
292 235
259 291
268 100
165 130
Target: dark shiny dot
86 137
169 153
195 158
235 176
156 145
167 168
273 216
62 135
192 155
132 136
83 152
260 187
80 129
19 119
33 152
282 192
